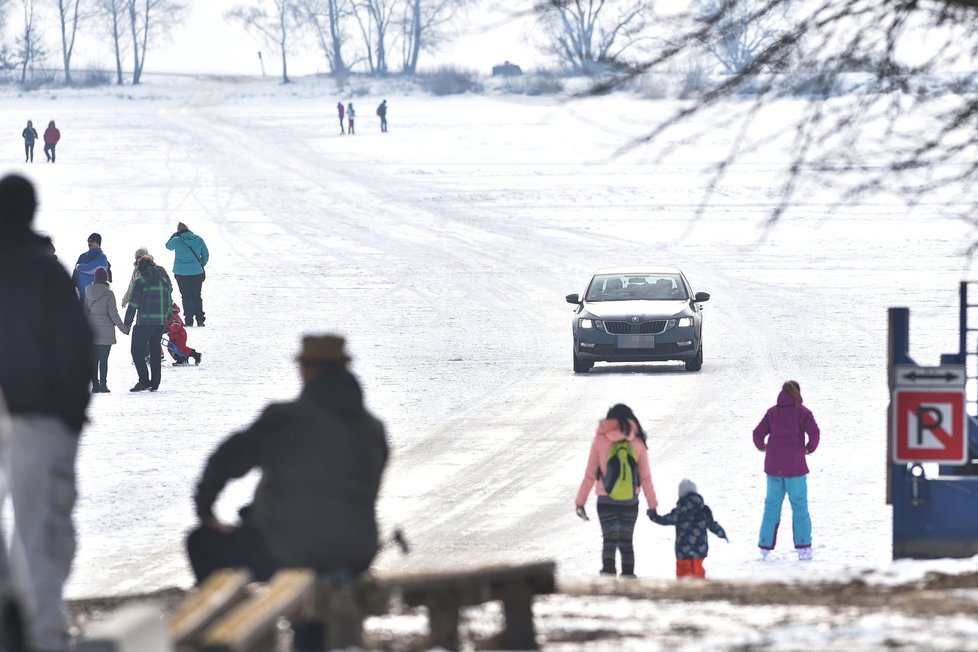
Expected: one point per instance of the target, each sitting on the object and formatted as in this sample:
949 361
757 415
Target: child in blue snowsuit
692 519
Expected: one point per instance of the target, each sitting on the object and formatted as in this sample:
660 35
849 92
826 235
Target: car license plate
636 341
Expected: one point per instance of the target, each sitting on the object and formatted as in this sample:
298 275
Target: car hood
622 309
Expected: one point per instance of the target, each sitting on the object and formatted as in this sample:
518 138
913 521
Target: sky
443 251
483 37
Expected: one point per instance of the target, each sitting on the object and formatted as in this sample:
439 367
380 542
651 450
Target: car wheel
696 363
581 366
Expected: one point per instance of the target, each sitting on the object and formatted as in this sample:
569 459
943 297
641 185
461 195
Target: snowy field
443 251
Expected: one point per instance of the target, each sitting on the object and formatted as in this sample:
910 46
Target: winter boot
764 553
196 356
805 554
139 387
104 388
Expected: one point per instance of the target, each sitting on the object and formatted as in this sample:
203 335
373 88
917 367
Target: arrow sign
908 375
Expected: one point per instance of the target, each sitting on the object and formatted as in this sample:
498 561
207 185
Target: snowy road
443 251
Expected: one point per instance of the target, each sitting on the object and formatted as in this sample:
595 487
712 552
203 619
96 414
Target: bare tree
113 17
29 48
422 27
148 18
275 27
70 14
325 17
375 29
908 109
587 36
737 37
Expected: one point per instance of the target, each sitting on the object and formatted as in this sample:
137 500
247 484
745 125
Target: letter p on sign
929 426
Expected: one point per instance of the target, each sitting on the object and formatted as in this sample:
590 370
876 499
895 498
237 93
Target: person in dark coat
51 137
782 435
321 458
151 300
341 110
29 135
692 519
44 375
84 272
382 112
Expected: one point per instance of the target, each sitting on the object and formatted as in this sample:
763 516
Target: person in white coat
103 317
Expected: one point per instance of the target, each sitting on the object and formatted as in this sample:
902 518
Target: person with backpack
692 519
350 117
382 112
618 465
781 437
29 135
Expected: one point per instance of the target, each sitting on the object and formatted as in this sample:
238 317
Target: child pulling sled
176 342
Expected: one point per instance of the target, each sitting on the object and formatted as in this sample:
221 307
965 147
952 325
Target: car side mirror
575 298
701 296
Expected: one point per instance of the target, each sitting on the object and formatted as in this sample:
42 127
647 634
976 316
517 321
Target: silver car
638 314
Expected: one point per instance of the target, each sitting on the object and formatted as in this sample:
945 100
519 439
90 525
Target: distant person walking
51 137
781 435
45 370
151 299
190 257
382 112
84 273
692 519
340 110
350 117
617 466
103 317
30 135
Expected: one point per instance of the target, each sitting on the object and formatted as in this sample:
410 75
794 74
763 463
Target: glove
581 513
651 513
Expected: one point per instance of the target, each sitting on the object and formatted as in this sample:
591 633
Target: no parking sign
929 425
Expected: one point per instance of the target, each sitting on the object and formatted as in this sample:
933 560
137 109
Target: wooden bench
249 624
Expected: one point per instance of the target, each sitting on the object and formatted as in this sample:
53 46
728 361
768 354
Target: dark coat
321 459
45 340
692 519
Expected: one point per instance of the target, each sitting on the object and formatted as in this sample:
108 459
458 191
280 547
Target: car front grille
660 349
653 327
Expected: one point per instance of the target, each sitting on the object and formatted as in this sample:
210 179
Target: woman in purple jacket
781 435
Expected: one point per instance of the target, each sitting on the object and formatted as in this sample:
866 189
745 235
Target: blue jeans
801 522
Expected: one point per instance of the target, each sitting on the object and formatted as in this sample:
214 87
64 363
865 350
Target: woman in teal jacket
190 258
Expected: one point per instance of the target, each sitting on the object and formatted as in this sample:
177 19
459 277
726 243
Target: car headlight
586 323
684 322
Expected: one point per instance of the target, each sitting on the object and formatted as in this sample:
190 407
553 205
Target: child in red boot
692 519
177 345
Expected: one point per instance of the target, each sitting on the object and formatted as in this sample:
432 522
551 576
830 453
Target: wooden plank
212 599
248 627
472 586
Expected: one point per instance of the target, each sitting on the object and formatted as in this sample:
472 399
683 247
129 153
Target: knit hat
142 251
687 487
96 238
181 227
101 275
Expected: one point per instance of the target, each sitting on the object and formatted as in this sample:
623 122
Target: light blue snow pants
801 522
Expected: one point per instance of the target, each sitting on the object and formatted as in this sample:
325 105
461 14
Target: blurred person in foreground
321 458
45 371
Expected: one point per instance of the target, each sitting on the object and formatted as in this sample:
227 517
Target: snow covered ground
442 251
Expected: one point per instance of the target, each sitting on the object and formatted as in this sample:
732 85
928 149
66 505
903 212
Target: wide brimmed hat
323 349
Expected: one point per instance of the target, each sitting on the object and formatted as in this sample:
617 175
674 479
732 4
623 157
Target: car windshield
631 287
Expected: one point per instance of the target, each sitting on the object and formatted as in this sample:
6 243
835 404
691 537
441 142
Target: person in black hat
84 272
321 458
44 376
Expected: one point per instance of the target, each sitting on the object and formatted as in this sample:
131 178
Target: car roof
638 270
